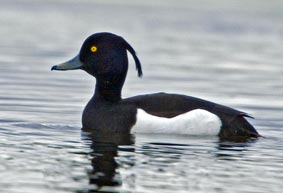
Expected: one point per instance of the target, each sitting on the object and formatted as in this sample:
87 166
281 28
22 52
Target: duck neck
108 91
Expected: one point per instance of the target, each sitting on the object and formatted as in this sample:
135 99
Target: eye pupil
93 49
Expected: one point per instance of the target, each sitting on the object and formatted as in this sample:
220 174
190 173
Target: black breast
108 117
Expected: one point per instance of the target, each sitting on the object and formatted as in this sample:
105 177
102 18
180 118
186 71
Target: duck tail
238 129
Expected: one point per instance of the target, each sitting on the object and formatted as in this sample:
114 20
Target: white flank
196 122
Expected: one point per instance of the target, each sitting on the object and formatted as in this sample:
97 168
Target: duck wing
234 123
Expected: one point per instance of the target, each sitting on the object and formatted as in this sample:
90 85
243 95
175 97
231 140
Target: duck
103 55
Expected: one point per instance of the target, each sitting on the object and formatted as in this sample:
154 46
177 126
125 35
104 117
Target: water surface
225 51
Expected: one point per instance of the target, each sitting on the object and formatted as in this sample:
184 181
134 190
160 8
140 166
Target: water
225 51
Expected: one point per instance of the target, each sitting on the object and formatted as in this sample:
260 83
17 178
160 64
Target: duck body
104 56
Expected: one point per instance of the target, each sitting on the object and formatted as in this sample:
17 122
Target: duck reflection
105 177
233 150
104 150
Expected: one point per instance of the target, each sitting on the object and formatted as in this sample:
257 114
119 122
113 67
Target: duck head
104 56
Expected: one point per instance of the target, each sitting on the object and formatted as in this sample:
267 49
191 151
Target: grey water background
230 52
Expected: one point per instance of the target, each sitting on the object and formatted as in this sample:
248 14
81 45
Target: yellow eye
93 48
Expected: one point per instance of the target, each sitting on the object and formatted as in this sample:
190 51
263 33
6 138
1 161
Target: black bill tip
54 68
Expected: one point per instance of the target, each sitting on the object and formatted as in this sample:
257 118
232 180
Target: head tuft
137 61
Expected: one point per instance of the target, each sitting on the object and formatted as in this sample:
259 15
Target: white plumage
196 122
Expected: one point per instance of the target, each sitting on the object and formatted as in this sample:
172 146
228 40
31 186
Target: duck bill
72 64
